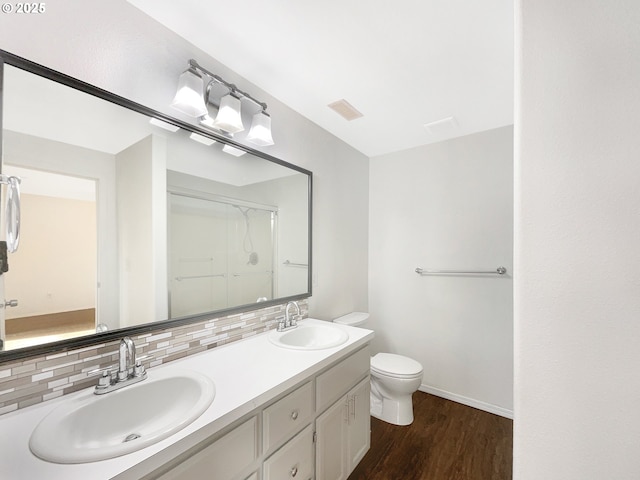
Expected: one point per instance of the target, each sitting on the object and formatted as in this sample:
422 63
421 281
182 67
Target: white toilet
394 379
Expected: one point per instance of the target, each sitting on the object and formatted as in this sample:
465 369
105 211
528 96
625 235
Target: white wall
446 206
141 188
291 243
50 156
116 47
54 270
577 240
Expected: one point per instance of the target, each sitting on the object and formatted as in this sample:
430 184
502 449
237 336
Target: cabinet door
331 447
359 431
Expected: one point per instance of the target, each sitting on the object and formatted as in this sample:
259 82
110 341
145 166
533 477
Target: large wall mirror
130 218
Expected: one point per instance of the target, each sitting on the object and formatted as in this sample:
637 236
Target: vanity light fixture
260 132
189 98
229 118
207 121
198 88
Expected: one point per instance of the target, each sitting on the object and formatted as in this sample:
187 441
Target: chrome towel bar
293 264
190 277
498 271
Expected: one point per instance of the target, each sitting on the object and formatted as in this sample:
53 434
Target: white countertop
246 374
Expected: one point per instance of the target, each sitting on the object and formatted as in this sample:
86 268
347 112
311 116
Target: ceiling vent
345 110
439 127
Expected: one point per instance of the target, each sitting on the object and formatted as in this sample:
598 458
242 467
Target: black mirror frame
7 58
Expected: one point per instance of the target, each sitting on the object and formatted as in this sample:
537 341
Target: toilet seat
395 366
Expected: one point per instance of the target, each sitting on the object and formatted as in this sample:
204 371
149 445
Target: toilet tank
353 319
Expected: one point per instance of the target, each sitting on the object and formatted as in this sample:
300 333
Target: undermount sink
92 427
310 337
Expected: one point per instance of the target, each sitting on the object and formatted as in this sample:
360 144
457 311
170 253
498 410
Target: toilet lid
395 365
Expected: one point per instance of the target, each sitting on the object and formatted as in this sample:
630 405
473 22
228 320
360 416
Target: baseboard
51 323
487 407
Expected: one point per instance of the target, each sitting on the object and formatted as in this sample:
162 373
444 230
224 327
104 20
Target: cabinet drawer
294 461
223 459
336 381
287 416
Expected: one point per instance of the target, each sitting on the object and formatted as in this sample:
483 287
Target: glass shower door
230 261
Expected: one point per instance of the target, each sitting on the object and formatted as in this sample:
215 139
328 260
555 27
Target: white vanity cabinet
318 430
359 423
294 460
281 421
343 430
224 459
343 434
287 416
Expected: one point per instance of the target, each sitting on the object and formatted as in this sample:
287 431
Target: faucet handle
105 377
138 369
102 370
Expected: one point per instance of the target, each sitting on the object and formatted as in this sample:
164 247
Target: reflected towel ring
12 211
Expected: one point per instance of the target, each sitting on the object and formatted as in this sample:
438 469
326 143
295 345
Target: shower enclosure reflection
229 263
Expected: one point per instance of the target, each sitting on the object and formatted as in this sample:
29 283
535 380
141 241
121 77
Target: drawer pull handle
294 471
294 415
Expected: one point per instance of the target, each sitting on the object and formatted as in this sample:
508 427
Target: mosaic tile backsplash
33 380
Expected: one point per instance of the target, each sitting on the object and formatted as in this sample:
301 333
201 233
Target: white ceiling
402 64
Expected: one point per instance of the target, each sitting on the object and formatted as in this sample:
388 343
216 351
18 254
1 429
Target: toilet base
398 411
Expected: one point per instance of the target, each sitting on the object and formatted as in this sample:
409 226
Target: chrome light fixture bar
193 95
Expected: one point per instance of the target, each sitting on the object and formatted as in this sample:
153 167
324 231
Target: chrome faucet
130 370
291 321
127 358
288 321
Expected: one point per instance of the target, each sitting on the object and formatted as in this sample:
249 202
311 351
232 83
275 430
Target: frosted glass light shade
260 132
207 121
228 118
189 98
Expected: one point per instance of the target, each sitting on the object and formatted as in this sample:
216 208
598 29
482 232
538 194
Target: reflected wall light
236 152
165 125
196 92
202 139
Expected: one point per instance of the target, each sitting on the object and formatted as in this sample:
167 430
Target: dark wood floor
446 441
